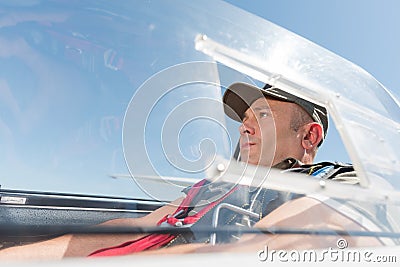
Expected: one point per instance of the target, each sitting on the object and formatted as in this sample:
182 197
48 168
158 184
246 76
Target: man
278 129
285 131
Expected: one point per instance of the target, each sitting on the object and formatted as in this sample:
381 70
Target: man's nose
247 126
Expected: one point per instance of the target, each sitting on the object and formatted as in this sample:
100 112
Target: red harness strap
153 241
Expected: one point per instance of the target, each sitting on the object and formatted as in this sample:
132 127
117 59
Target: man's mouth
247 145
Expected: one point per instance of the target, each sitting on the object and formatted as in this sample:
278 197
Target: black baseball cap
239 96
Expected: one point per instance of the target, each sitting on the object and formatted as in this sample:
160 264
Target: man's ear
312 136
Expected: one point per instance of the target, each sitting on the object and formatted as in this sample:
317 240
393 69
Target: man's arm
81 245
303 213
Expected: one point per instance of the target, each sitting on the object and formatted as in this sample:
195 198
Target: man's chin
249 161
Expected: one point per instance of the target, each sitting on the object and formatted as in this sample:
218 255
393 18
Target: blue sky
363 31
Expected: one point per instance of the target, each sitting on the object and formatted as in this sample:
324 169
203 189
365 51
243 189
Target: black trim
48 199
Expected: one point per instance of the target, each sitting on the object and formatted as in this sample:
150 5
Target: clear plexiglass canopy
96 91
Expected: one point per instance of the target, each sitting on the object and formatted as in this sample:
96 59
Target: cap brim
239 97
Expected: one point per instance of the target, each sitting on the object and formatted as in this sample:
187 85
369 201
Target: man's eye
264 114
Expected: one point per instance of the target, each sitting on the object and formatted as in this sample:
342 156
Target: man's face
266 137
